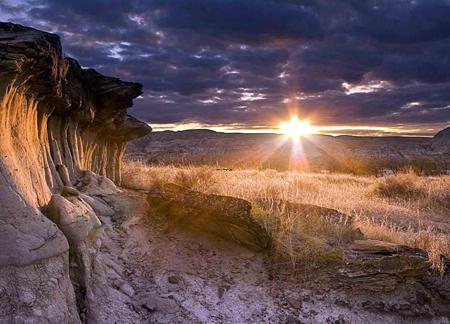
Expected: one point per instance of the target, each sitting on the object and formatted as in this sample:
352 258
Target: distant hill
267 150
443 134
440 144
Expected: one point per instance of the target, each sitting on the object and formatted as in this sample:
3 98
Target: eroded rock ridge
61 126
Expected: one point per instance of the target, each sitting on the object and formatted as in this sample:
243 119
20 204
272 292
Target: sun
296 128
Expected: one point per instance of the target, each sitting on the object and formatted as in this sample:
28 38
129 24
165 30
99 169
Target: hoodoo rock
60 126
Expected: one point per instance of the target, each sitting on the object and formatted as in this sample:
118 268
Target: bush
424 166
354 165
199 178
400 185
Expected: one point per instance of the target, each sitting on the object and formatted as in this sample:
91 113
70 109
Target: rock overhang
32 60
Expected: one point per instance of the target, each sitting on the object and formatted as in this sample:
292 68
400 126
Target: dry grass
136 175
306 243
427 191
402 208
405 184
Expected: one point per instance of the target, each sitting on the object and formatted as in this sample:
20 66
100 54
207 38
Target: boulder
98 205
226 217
94 185
75 218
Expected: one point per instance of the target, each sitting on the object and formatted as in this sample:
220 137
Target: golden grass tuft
405 184
195 177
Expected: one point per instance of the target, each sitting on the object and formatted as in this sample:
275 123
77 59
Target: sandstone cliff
60 126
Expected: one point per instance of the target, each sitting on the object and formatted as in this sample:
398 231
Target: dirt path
158 277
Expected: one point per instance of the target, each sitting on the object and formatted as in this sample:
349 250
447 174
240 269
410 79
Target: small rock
292 320
127 289
158 303
220 292
340 320
52 282
28 298
294 302
69 191
342 303
313 312
149 307
174 280
306 298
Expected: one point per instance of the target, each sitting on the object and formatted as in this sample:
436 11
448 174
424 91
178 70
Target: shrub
354 165
199 178
404 184
423 165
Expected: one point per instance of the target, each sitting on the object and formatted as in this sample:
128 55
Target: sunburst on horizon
296 128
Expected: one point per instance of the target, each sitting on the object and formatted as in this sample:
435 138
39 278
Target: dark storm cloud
239 21
237 61
404 21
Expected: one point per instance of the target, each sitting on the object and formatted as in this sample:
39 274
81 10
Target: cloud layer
251 62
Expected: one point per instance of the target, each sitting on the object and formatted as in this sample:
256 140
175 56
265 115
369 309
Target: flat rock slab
375 246
226 217
381 266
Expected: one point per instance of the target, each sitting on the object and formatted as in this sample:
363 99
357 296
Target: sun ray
296 129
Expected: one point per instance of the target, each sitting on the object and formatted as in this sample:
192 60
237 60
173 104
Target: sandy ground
160 277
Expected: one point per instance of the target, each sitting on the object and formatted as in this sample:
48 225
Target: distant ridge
204 132
269 150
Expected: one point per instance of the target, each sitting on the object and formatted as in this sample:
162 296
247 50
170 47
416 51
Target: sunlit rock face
57 122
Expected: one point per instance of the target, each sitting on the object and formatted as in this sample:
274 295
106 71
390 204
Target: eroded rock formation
60 125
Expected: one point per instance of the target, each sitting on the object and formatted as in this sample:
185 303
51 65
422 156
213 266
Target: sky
349 67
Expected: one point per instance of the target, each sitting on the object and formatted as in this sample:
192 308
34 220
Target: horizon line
357 131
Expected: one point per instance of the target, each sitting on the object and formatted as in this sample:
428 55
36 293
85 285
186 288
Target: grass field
402 208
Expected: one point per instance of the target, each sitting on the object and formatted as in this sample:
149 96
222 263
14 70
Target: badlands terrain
85 238
357 154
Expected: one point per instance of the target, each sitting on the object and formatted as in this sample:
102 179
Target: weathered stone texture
60 125
222 216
